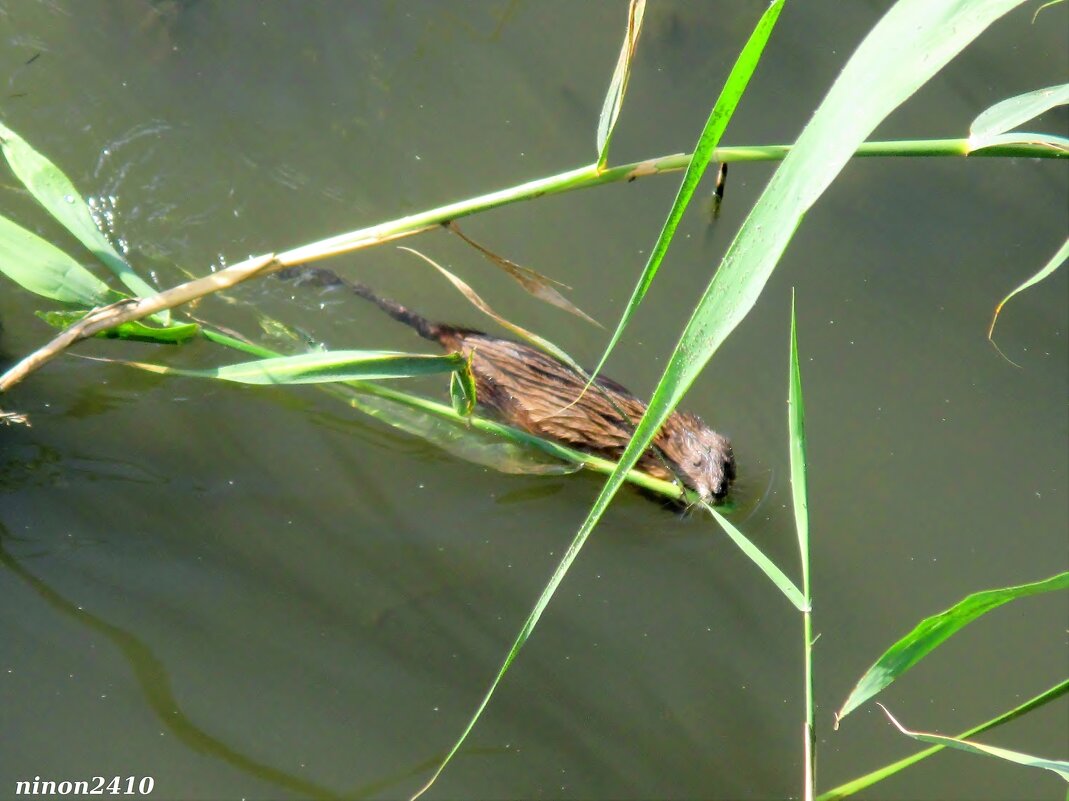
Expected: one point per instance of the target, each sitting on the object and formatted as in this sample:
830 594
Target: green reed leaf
799 471
466 437
1055 262
55 191
475 439
1058 767
909 45
718 120
912 41
40 267
855 786
319 368
614 98
715 126
933 631
991 126
1051 142
800 502
766 565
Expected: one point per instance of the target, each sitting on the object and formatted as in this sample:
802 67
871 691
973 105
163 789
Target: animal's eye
698 462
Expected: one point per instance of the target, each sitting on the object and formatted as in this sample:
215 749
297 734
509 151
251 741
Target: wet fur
528 389
531 390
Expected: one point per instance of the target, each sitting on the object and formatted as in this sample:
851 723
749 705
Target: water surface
249 592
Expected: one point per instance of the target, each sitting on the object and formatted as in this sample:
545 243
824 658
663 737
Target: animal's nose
721 489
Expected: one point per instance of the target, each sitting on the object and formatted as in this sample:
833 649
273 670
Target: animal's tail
424 327
323 277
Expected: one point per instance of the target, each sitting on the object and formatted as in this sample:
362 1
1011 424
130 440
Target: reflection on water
39 466
155 683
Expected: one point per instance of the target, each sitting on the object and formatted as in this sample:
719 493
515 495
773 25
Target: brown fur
525 388
528 389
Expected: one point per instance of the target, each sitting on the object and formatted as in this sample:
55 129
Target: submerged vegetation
908 46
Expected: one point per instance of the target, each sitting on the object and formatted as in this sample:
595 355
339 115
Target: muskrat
530 390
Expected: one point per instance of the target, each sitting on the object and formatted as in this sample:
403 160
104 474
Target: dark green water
248 592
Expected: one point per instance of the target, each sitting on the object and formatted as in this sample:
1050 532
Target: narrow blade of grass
873 777
1052 142
933 631
55 191
912 41
40 267
519 451
460 436
1055 262
909 45
715 126
799 470
1058 767
319 368
766 565
1014 111
614 98
800 501
717 122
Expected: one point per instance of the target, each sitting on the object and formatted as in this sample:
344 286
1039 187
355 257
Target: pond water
257 593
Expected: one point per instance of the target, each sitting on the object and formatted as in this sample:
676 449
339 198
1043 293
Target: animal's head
702 458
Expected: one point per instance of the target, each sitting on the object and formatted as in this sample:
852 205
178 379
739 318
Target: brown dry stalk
134 309
131 309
